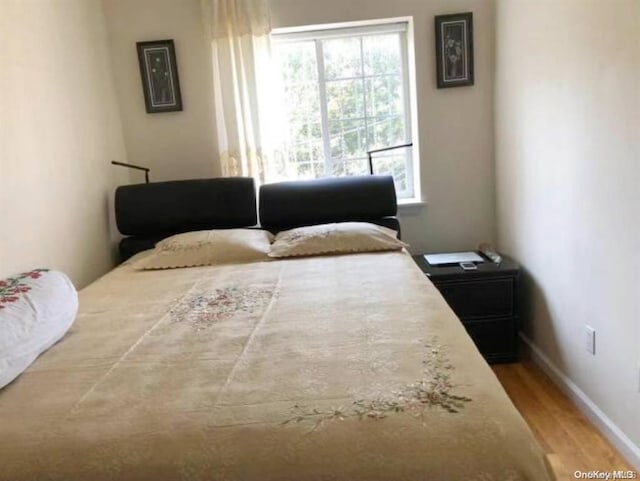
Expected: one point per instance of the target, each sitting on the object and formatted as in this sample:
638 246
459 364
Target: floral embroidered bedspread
334 368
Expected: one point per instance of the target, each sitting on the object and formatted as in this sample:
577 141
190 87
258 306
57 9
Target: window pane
384 95
357 166
308 160
348 139
298 62
345 99
382 54
303 102
304 141
300 78
310 170
385 132
342 58
395 165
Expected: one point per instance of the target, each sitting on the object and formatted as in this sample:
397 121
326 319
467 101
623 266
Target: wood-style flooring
573 443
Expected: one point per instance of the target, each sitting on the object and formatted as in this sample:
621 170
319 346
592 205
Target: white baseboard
607 427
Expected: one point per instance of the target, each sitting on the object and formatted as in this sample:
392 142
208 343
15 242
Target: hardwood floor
559 426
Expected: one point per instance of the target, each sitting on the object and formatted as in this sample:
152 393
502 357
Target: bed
340 367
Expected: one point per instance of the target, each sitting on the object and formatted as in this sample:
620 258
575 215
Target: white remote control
492 255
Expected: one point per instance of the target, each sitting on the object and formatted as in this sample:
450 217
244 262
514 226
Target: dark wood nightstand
485 301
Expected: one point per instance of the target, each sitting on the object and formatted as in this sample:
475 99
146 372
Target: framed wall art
454 49
159 73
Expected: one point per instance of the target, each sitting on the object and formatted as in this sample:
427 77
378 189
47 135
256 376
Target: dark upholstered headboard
286 205
147 213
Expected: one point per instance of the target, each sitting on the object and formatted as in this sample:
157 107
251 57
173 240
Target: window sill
410 206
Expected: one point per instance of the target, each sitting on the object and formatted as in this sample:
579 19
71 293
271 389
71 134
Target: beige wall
59 128
455 125
176 145
568 167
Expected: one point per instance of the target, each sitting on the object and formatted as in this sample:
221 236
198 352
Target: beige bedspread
332 368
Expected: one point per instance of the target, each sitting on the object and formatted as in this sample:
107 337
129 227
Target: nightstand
485 301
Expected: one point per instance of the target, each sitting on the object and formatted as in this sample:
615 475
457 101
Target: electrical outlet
590 339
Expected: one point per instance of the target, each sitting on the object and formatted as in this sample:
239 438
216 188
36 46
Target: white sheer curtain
243 79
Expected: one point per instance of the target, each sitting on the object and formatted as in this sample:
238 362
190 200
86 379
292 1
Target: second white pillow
339 238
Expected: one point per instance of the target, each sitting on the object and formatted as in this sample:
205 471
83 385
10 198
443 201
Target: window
346 92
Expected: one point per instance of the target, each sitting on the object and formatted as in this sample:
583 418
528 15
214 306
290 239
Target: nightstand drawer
479 298
495 338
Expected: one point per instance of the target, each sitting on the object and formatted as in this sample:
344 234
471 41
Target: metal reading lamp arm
136 167
384 149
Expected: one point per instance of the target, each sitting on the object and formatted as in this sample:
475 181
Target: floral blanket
335 368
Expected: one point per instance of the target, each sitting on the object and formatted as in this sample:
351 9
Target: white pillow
37 308
208 247
340 238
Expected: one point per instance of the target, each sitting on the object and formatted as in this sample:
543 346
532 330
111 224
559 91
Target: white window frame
402 25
